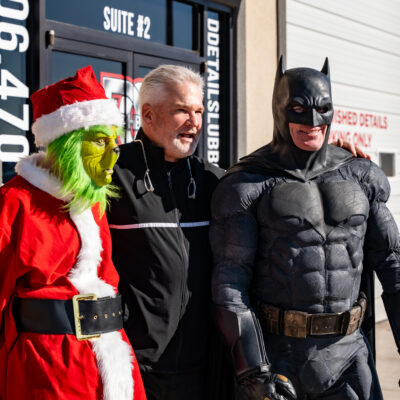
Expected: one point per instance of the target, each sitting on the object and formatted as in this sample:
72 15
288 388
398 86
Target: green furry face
65 153
99 153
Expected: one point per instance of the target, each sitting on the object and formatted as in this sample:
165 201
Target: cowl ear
280 71
325 68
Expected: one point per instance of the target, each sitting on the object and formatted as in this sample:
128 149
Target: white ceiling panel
342 27
351 64
365 99
383 15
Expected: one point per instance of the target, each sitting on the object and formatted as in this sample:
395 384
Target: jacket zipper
186 265
181 242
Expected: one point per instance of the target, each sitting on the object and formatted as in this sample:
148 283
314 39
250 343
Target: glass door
110 66
119 72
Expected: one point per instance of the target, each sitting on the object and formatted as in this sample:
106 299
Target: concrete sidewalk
387 361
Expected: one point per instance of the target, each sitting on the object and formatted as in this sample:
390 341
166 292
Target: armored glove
267 386
243 335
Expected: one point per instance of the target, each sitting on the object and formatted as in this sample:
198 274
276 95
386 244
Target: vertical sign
14 113
212 98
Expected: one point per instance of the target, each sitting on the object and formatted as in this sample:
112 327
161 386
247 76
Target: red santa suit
47 252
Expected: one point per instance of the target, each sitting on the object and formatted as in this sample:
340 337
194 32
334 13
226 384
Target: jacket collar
155 154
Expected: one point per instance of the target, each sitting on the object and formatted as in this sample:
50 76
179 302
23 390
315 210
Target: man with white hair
159 230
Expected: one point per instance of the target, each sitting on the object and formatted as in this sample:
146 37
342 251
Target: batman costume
292 232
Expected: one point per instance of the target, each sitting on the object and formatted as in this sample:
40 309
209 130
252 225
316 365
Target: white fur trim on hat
74 116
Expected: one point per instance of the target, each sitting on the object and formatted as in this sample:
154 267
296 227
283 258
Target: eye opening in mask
297 108
323 109
320 109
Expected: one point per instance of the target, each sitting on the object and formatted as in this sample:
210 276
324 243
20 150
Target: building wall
257 61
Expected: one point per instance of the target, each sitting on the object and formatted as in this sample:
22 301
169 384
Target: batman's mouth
313 132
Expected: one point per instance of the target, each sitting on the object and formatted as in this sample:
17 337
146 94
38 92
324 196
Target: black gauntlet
243 335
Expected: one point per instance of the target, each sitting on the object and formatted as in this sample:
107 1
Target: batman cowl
309 91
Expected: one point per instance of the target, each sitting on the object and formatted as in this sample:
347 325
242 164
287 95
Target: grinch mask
99 153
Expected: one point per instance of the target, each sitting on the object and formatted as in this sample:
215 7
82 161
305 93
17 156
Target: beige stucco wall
256 65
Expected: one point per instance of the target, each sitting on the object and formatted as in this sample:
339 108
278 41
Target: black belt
301 324
84 316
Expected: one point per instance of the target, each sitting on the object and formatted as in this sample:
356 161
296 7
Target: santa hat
72 103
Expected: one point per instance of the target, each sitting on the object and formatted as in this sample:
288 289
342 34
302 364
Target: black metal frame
217 5
281 18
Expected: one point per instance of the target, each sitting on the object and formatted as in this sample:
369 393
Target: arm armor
242 333
392 307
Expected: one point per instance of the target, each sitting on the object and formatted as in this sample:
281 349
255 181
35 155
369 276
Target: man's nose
193 119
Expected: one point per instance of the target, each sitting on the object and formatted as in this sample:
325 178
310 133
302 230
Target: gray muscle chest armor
324 206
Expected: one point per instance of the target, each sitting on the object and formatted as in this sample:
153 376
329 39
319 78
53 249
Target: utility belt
301 324
84 316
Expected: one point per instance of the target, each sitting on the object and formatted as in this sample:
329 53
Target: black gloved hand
268 386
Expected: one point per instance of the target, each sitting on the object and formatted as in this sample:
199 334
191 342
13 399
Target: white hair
163 76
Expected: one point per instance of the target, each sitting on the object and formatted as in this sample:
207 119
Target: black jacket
161 251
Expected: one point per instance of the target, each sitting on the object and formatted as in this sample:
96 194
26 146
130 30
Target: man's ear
147 114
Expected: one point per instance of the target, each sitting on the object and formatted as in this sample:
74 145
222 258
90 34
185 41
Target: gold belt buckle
295 324
77 317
